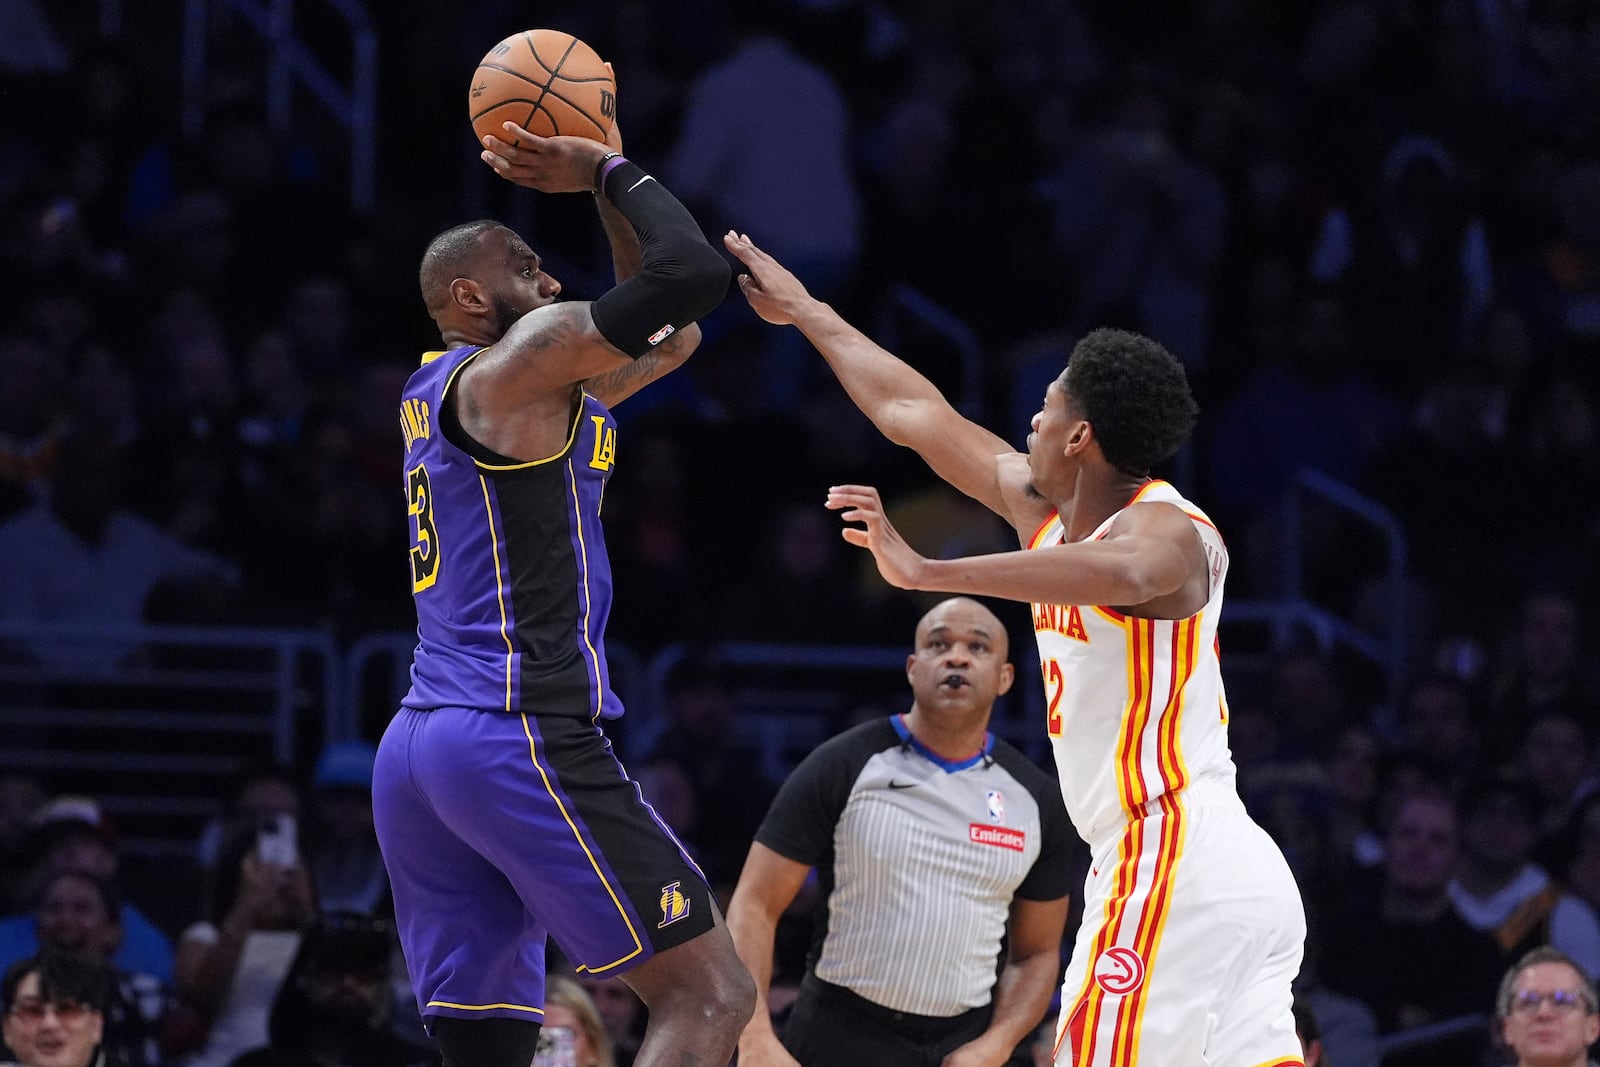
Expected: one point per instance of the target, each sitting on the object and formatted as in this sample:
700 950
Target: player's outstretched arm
1150 553
902 403
767 886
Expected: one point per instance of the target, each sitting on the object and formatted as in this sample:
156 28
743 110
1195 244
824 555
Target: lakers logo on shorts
674 905
1119 971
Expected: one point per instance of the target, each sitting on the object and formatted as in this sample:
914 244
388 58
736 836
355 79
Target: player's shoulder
1025 510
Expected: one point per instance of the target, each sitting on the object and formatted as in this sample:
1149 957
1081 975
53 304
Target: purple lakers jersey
508 563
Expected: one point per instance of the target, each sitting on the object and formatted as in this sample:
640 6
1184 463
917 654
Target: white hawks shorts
1192 931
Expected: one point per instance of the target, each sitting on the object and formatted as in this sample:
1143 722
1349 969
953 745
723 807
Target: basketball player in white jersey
1193 926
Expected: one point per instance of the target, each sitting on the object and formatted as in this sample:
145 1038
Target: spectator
1547 1011
1580 856
1310 1035
1353 781
260 794
84 559
71 834
21 796
344 858
77 912
32 420
1346 1028
1436 719
231 965
766 140
335 1004
1554 755
1542 668
567 1007
1411 958
54 1006
621 1012
1499 890
701 740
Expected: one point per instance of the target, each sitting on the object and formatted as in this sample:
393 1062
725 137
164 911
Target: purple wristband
608 163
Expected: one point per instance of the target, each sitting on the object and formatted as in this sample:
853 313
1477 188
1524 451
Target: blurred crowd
1369 228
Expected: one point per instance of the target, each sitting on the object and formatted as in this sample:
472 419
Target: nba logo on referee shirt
674 905
997 806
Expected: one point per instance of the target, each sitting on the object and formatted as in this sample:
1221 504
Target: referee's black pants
829 1026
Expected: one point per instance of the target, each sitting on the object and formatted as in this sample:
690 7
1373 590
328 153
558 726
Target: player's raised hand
774 293
897 561
548 164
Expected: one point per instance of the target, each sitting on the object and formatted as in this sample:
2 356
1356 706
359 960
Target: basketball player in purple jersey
503 815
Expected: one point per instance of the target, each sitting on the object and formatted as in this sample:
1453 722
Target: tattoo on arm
615 386
634 375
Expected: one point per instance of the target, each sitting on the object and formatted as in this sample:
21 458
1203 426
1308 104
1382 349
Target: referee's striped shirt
919 859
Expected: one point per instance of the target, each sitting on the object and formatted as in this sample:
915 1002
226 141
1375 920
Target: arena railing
290 65
1415 1042
1388 650
155 721
375 673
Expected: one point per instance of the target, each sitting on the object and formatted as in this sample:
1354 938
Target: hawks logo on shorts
1119 971
674 905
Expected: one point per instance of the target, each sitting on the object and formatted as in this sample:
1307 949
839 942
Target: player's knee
731 998
722 996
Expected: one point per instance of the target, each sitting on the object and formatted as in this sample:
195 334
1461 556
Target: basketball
547 82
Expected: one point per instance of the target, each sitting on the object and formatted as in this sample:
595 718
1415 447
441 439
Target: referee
937 847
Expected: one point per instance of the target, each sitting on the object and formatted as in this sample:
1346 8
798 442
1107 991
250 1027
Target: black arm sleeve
681 277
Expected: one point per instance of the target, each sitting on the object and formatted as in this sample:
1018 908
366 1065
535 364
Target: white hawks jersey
1135 707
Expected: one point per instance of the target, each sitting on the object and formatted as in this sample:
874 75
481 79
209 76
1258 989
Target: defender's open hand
774 293
896 560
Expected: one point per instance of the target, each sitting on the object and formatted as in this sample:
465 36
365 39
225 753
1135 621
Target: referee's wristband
607 163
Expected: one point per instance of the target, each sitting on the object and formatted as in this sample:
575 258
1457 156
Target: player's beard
505 315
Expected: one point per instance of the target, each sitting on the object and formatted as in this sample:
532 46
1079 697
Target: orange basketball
547 82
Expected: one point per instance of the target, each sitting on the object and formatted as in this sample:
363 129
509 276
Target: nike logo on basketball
900 785
640 182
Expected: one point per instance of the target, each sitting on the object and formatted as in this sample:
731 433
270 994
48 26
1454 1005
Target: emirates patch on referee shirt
999 836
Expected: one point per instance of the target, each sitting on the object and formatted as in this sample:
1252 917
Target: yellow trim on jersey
429 357
638 946
1292 1061
1143 489
588 597
1038 535
483 1007
566 449
499 587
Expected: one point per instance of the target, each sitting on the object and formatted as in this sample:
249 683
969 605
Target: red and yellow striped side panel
1135 918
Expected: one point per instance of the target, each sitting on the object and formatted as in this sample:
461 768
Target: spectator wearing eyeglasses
1547 1010
54 1007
